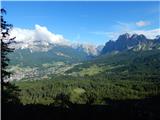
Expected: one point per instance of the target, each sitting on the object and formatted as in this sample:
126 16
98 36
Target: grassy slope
144 63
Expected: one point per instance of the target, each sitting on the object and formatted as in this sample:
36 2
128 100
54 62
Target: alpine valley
93 60
40 61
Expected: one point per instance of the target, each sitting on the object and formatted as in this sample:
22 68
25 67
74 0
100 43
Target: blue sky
86 22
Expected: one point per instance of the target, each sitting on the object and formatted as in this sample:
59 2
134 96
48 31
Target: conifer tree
8 90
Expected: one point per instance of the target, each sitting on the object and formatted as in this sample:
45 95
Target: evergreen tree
9 91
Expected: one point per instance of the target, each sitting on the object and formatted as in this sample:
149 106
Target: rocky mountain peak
127 41
125 36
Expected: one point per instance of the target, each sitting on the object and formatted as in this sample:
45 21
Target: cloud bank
150 34
142 23
41 39
40 35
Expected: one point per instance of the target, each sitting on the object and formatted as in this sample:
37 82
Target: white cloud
40 35
123 26
142 23
41 39
109 35
151 34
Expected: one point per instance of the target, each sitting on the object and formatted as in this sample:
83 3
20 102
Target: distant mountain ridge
133 42
40 53
27 57
45 46
135 52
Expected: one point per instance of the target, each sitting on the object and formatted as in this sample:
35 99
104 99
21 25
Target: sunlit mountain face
131 42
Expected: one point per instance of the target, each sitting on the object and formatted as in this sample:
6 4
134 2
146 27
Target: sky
82 22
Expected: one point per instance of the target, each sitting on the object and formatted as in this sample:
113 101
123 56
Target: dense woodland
123 76
85 90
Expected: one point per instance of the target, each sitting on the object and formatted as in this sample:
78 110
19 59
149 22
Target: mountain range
133 42
39 53
40 59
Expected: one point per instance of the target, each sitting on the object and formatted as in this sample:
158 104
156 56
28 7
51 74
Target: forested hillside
140 65
126 75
